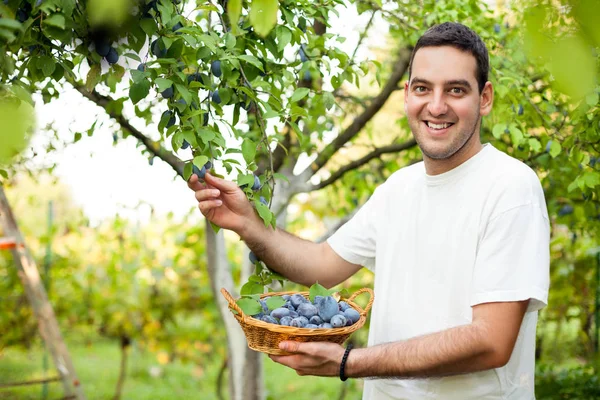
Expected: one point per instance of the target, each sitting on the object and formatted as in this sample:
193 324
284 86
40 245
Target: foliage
579 383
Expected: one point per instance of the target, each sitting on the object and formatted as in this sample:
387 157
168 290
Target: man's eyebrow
454 82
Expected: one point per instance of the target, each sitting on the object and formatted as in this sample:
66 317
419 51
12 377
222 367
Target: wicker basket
265 337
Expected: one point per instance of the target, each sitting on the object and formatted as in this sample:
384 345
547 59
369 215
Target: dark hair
458 36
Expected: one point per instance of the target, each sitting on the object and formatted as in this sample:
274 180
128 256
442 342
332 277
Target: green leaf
535 145
279 175
56 20
206 135
248 150
591 179
10 24
555 149
591 99
516 135
498 130
163 84
318 290
184 92
284 37
199 161
263 211
252 60
139 90
249 306
263 15
299 94
274 302
250 288
229 41
234 10
47 64
93 77
187 171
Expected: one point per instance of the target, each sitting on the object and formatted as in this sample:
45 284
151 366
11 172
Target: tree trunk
245 365
125 342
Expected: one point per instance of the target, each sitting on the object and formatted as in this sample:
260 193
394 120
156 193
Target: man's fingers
207 194
222 184
208 205
194 183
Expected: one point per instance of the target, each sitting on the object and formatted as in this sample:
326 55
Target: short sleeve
513 258
355 241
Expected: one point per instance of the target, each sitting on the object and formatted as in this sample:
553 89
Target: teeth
438 126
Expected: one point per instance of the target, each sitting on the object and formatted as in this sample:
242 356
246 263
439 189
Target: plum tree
168 92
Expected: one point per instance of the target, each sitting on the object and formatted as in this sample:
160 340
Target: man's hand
311 358
222 202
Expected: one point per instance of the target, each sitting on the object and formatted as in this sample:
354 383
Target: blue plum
325 325
327 308
315 319
112 57
200 173
253 258
307 310
168 92
299 322
343 306
338 321
297 299
215 68
280 312
311 326
285 321
352 315
256 184
269 319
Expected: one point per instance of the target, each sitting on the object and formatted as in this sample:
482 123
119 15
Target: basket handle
371 298
232 303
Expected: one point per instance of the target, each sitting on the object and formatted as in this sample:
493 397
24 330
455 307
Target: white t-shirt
439 245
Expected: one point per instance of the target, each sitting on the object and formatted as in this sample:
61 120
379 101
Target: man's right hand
223 203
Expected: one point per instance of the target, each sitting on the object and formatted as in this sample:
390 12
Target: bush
581 382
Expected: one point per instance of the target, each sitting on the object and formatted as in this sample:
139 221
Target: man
459 245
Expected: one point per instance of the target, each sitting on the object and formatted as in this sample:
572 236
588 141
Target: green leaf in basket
249 306
317 290
344 293
274 302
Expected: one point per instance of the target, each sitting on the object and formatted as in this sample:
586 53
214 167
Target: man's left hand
311 358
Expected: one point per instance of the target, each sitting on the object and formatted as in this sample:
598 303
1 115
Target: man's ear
487 99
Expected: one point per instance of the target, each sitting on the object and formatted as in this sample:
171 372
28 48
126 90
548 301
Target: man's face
442 101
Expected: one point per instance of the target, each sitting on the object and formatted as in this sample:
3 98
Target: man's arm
486 343
223 203
297 259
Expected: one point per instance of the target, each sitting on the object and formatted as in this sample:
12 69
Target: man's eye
420 89
457 90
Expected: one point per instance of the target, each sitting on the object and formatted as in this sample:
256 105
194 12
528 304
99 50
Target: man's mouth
438 126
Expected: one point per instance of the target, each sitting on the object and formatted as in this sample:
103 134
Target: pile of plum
300 312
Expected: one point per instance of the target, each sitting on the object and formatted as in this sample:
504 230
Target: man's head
448 92
460 37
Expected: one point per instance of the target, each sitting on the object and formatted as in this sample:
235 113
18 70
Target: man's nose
437 105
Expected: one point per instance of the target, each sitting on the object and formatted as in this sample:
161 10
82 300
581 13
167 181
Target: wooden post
36 294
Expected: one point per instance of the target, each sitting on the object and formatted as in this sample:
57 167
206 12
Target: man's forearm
459 350
289 255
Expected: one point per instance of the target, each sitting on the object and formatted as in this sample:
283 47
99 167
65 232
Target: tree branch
359 122
152 146
392 148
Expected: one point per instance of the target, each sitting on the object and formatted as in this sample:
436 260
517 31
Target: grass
98 367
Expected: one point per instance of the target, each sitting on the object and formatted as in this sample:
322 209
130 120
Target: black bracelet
343 364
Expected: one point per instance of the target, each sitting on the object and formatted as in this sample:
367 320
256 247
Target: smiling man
459 245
